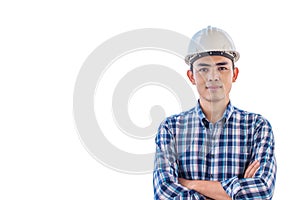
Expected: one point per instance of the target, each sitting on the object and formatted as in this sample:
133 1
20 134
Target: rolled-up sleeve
165 175
262 185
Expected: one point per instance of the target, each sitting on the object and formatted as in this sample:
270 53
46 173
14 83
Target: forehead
212 60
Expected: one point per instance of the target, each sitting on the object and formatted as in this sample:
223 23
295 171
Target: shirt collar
200 112
227 114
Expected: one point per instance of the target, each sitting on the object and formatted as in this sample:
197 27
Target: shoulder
180 118
170 125
252 120
250 116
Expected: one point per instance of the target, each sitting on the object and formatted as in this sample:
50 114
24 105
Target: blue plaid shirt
188 146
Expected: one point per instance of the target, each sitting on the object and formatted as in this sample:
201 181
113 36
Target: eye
222 68
203 69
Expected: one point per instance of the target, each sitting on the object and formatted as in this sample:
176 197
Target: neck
213 110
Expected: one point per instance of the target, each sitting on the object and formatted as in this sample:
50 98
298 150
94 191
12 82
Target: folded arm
259 178
165 174
262 185
214 189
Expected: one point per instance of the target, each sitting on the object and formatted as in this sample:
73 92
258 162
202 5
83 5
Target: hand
252 169
186 183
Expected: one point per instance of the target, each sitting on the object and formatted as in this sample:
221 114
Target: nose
213 75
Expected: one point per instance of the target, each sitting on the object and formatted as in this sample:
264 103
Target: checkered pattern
188 146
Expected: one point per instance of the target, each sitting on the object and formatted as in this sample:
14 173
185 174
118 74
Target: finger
254 170
251 169
248 170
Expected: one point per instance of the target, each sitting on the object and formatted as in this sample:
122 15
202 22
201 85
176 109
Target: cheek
199 79
227 86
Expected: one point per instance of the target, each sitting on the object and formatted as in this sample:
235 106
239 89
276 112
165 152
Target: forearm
211 189
172 190
249 187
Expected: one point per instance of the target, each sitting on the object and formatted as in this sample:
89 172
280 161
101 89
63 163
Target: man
214 150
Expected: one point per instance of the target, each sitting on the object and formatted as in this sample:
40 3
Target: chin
216 99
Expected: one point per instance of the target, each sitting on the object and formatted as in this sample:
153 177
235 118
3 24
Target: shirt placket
215 131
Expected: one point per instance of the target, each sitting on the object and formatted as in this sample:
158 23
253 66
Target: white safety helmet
211 41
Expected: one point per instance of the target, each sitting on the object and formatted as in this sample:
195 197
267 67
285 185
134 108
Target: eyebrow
209 65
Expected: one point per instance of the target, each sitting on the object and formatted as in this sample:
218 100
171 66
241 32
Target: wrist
197 185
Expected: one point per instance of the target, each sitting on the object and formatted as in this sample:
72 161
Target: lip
213 87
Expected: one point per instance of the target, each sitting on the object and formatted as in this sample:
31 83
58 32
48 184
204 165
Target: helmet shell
211 39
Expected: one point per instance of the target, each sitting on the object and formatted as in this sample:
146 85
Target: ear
190 75
235 74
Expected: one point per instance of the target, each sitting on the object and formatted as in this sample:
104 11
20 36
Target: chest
214 154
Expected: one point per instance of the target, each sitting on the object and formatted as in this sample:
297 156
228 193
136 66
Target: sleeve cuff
231 186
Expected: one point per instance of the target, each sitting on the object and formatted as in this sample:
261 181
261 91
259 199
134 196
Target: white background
44 44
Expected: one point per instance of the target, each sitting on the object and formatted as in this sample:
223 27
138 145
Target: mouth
213 87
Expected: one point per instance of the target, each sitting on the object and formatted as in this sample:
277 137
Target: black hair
211 53
233 66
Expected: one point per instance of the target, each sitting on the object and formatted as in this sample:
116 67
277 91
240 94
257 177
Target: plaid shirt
188 146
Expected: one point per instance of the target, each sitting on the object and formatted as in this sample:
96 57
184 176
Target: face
213 77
